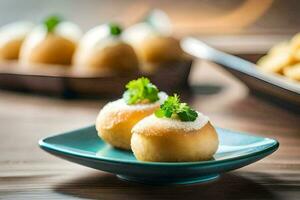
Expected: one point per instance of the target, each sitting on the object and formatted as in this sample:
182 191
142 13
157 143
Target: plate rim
47 146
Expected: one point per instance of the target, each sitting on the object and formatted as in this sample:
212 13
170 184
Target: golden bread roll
100 51
11 39
10 50
171 140
116 119
53 49
56 47
153 45
157 49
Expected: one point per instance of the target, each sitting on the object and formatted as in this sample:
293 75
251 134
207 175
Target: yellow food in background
279 48
295 46
283 58
275 63
292 72
278 57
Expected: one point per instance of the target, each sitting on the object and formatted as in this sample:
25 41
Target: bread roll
171 140
101 52
116 119
11 39
158 49
151 45
56 48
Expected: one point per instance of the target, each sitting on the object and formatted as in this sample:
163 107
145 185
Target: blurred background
246 18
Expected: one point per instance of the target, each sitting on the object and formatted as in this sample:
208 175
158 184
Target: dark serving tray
274 88
54 80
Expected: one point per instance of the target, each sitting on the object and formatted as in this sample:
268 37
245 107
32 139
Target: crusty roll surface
153 44
11 39
158 49
170 140
10 50
116 119
101 52
54 49
115 57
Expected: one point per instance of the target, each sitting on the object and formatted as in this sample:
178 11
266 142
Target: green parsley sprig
140 90
51 22
115 29
173 108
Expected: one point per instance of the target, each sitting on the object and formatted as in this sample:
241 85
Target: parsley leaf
51 22
173 108
115 29
140 90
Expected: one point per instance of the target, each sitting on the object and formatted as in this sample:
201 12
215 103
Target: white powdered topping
140 32
175 124
137 33
157 23
14 31
121 104
37 35
69 31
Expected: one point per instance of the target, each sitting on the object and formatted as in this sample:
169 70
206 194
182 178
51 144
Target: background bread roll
11 39
99 51
55 47
152 45
156 49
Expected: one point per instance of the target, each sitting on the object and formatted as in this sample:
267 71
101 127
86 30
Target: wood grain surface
26 172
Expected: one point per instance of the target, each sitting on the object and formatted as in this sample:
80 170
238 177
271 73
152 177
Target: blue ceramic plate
84 147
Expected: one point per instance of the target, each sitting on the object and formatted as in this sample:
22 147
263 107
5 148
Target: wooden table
26 172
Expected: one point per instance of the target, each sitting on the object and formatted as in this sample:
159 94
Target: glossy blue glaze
84 147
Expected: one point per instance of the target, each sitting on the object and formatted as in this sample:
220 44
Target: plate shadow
107 186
